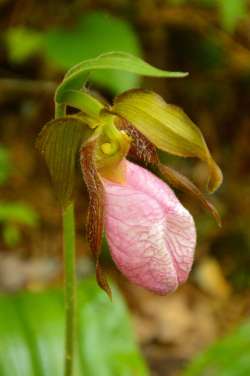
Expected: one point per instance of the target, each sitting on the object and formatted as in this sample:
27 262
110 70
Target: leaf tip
216 177
184 74
102 281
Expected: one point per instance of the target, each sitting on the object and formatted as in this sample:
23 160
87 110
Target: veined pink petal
150 234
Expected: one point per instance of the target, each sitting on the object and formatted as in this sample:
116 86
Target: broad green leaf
93 34
32 335
107 339
120 61
59 142
43 324
167 127
228 357
15 354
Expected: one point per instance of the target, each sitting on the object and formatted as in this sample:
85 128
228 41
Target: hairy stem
69 275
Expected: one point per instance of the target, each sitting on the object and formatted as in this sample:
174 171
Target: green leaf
17 212
167 127
59 142
11 235
32 335
120 61
95 33
44 330
228 357
232 11
107 339
15 355
13 215
22 43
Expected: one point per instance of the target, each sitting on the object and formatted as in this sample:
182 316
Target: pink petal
150 234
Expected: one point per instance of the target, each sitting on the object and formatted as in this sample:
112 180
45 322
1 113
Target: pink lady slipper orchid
150 234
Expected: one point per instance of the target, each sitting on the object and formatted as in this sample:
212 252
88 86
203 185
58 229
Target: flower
150 234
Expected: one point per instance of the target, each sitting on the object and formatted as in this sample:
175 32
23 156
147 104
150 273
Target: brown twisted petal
179 181
95 210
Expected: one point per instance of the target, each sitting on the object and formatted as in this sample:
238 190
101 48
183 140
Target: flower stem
69 274
69 286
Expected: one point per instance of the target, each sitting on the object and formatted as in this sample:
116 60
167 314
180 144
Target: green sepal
121 61
167 127
59 142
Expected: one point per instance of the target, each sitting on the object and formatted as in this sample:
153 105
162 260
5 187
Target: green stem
70 286
69 275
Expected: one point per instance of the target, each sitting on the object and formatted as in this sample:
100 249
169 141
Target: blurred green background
202 329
